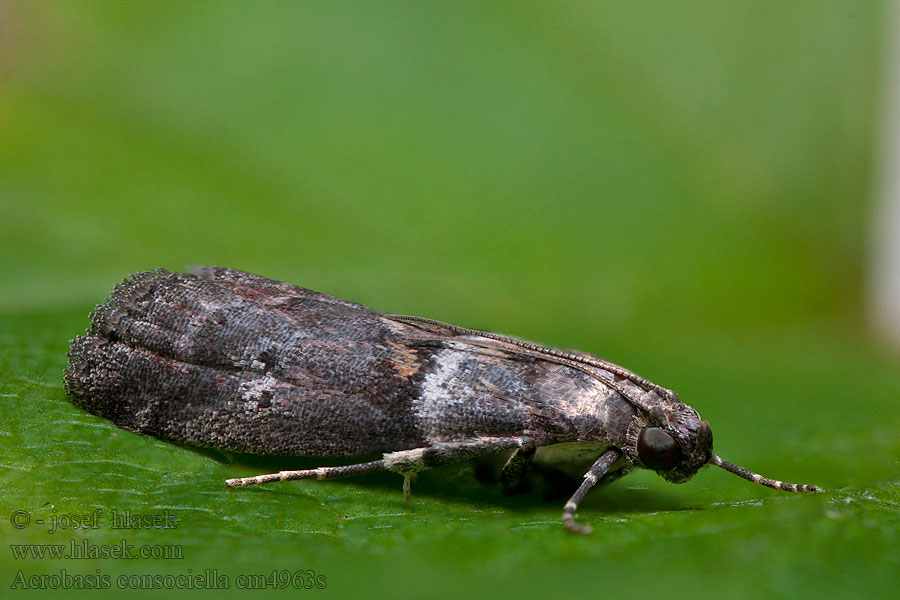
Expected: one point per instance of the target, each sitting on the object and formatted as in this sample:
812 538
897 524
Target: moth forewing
238 362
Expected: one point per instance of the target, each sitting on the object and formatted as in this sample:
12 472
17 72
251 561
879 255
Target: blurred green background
683 188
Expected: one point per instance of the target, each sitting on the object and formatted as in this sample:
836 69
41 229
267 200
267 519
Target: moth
237 362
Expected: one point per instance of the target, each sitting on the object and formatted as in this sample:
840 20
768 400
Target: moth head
676 453
675 443
667 436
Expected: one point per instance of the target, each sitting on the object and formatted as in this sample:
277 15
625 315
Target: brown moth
229 360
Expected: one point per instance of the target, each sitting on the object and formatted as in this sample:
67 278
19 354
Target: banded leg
410 462
594 474
318 473
405 462
757 478
513 473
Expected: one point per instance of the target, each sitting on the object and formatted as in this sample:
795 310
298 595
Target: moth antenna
757 478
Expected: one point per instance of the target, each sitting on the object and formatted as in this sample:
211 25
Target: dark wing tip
129 296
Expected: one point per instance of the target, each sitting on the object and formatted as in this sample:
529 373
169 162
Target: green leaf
677 187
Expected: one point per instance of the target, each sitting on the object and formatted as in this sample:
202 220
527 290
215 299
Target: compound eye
658 450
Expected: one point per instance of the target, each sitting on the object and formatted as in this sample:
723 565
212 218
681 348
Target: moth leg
410 462
405 462
319 473
406 487
594 474
516 468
